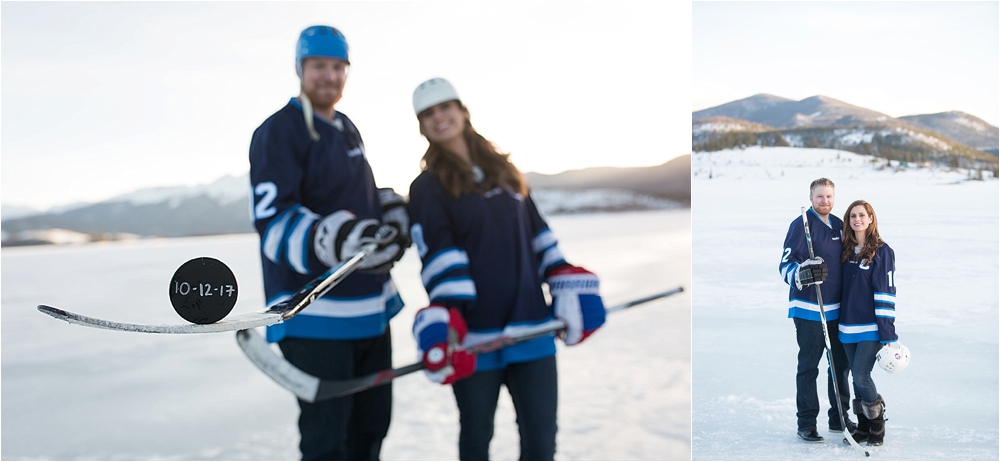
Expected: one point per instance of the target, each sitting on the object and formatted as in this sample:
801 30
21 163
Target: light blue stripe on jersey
340 318
788 272
546 247
274 236
520 352
323 327
805 309
286 239
882 312
458 288
854 333
297 245
543 240
443 262
885 298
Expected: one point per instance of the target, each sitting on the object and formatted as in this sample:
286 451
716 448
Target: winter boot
851 426
875 412
859 434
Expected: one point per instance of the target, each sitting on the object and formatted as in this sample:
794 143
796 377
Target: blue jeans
861 356
812 346
533 388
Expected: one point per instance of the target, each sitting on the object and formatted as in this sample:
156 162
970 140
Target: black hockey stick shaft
826 337
338 389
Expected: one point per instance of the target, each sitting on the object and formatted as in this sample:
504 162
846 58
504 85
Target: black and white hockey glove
394 214
341 235
812 271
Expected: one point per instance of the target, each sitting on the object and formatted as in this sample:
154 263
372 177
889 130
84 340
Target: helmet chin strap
307 112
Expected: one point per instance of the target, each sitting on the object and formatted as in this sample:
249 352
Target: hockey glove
341 235
576 301
394 214
812 271
439 332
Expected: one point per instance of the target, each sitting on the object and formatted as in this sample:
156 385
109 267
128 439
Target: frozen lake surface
944 231
71 392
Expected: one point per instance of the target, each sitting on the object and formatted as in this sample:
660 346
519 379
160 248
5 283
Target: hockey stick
826 337
312 389
321 285
278 313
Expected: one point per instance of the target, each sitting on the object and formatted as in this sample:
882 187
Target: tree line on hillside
884 143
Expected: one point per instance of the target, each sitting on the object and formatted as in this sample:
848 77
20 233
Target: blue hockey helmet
320 41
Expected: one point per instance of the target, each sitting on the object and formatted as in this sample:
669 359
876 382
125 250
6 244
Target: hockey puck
203 290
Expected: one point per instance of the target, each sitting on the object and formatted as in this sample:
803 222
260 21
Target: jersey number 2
263 209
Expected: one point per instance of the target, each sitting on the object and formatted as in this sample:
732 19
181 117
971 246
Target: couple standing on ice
854 270
485 248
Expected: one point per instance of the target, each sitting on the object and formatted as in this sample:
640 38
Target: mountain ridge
779 112
222 206
824 111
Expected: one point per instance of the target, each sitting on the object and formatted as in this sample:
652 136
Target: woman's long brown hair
872 239
455 174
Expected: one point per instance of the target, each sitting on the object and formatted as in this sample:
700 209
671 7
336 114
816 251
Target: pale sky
898 58
100 99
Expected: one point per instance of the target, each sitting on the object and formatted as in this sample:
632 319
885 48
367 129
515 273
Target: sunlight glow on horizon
103 99
898 58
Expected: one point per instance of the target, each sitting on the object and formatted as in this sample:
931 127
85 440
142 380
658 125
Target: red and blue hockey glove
439 333
576 301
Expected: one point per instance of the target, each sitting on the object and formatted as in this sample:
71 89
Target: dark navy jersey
485 254
868 304
827 243
295 182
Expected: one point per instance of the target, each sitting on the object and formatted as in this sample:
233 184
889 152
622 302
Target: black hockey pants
349 428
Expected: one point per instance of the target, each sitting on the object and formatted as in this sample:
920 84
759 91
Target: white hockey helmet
431 92
893 360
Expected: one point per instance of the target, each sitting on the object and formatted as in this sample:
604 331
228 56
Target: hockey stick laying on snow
312 389
826 336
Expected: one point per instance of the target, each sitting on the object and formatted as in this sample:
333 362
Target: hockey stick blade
274 315
850 440
312 389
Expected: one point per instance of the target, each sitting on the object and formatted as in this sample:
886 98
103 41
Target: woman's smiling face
442 122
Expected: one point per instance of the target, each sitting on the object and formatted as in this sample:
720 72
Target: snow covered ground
70 392
944 231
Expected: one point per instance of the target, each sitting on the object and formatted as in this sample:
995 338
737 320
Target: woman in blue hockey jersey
486 251
867 312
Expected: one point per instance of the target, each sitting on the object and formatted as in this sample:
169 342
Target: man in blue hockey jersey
801 272
315 205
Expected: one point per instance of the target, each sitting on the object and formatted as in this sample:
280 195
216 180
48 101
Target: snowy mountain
224 190
9 211
702 130
775 111
219 207
959 126
222 207
823 122
670 180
